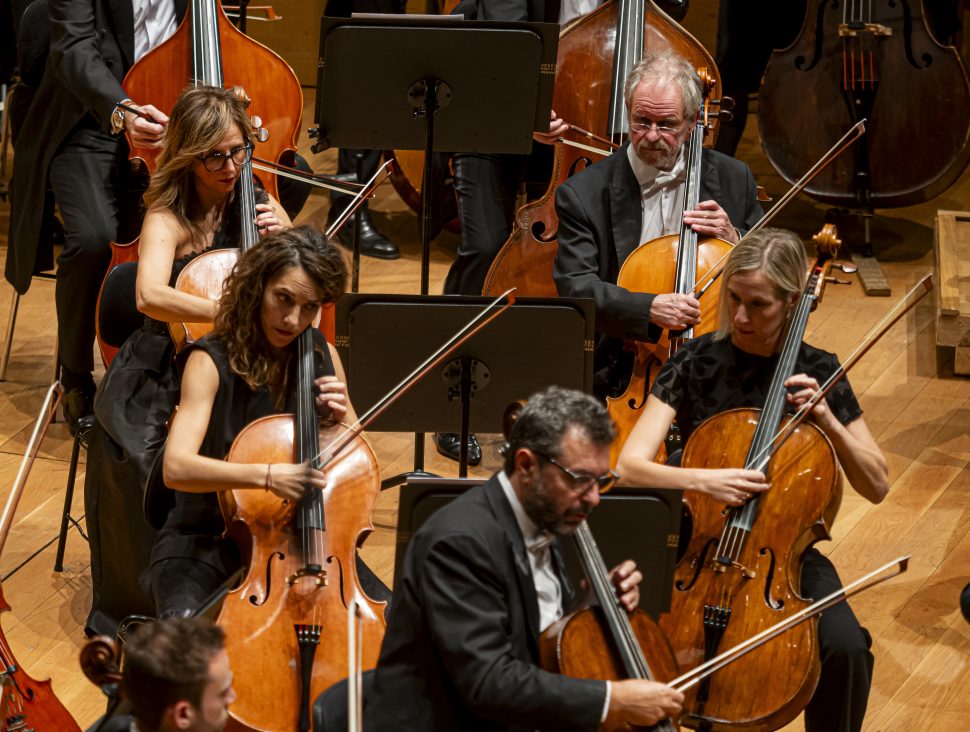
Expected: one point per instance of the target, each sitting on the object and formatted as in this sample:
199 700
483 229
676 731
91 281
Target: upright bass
596 53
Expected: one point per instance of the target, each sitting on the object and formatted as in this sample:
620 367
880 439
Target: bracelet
269 478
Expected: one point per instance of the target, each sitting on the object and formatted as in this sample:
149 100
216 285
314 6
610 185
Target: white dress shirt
661 196
570 9
154 22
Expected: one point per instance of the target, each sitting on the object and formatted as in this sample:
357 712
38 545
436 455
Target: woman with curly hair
242 371
193 207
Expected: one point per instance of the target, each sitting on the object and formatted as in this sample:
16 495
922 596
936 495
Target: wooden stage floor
918 414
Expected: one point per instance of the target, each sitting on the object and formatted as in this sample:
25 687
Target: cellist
193 205
231 377
762 281
483 577
635 195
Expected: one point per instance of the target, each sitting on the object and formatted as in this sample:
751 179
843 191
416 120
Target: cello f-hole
697 564
574 167
773 603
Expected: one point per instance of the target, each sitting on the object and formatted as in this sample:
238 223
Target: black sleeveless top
708 376
194 527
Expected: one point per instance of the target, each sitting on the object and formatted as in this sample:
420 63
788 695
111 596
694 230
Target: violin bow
467 331
695 676
362 195
907 303
313 179
854 133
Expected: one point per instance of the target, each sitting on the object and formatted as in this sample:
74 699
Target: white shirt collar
649 176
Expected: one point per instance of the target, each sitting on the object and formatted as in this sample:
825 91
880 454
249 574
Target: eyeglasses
667 127
584 483
216 161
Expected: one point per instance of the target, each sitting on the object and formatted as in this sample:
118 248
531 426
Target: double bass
741 569
872 59
596 53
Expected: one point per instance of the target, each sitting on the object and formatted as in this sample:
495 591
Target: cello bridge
315 571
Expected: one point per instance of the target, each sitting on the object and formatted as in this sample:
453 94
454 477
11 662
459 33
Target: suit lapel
626 213
710 180
122 15
559 564
523 573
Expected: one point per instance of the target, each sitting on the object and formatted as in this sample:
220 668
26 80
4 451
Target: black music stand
422 83
630 523
382 338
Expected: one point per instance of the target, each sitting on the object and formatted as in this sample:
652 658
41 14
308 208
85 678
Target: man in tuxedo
483 579
635 195
73 141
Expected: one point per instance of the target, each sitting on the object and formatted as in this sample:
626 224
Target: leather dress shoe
372 242
78 408
449 445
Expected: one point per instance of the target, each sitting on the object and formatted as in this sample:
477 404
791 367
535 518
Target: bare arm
186 470
636 464
161 236
863 462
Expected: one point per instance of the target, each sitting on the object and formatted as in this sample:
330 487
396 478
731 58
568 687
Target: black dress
710 376
191 558
132 406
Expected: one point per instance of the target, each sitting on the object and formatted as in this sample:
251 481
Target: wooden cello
28 704
596 53
741 570
872 59
302 566
672 263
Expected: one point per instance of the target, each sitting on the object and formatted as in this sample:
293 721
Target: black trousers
99 200
840 699
486 186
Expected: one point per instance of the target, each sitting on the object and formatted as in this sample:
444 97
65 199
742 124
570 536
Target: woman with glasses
193 207
732 368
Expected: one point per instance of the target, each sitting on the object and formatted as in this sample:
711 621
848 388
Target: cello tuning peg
725 115
725 103
256 121
262 134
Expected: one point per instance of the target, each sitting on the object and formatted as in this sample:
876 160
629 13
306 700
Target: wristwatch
118 118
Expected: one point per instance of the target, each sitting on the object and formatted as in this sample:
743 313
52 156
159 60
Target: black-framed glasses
582 483
667 127
216 161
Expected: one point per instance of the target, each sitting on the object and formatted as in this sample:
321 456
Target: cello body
641 273
262 615
584 92
795 513
883 65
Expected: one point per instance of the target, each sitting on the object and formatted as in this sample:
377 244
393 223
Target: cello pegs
256 121
262 134
725 103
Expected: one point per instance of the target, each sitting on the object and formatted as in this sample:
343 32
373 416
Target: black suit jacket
600 219
92 48
461 650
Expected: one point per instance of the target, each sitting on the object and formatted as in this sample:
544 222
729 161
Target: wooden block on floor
951 244
871 277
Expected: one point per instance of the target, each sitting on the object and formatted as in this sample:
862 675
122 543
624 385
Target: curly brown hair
200 119
238 320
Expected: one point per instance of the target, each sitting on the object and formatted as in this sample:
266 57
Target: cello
596 53
741 569
855 59
648 269
27 703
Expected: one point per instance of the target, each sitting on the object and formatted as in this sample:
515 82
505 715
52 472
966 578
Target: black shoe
78 408
372 242
449 445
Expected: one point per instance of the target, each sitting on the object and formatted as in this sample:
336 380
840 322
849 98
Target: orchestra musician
483 578
193 207
762 280
72 141
177 676
231 377
635 195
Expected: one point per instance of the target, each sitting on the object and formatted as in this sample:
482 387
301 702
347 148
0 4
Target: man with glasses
636 195
483 578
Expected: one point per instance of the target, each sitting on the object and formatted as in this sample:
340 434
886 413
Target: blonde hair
200 119
778 253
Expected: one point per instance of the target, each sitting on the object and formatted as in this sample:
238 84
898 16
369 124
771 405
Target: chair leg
66 517
8 340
